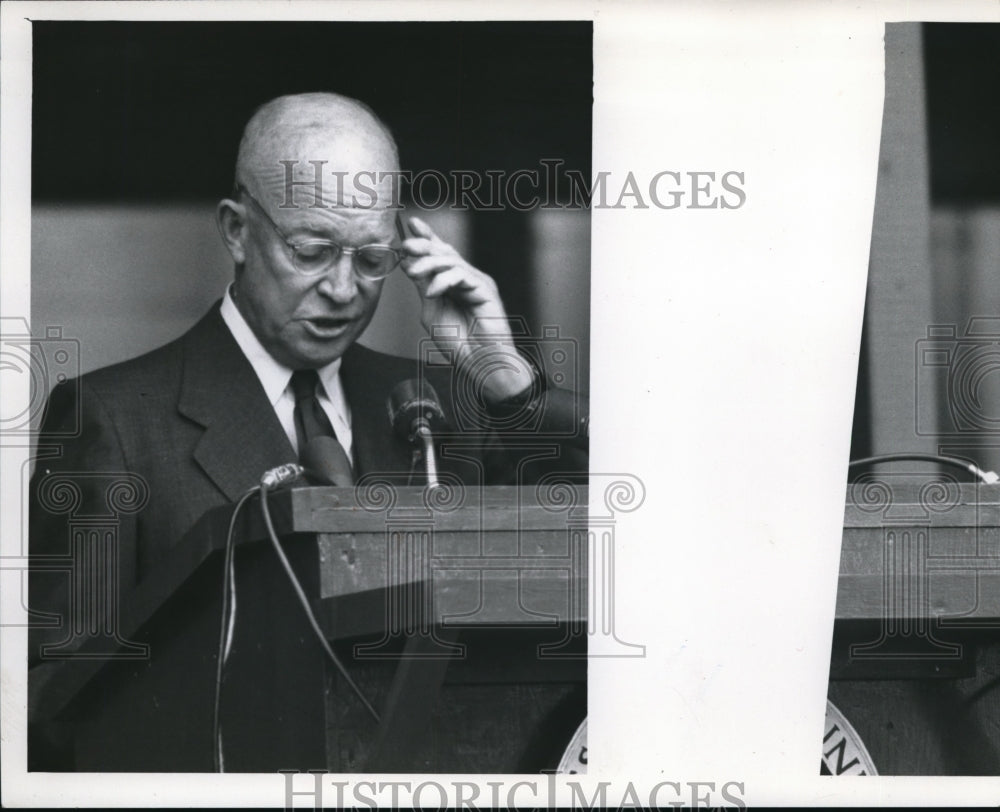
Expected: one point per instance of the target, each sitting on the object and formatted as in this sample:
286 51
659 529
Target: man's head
301 163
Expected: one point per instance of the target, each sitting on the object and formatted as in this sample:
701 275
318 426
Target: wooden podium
921 559
461 612
916 649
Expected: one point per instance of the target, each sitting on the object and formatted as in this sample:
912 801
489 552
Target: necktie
311 422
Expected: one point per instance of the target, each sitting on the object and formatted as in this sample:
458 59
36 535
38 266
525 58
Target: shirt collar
274 377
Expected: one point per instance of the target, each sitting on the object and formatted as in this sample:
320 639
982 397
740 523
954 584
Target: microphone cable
988 477
304 601
226 631
273 478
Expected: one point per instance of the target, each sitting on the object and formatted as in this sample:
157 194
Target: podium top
371 507
876 500
367 508
921 546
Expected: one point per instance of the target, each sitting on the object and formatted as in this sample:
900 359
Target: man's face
307 321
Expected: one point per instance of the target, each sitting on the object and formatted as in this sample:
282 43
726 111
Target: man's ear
230 216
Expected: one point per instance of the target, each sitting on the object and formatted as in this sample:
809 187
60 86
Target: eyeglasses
316 257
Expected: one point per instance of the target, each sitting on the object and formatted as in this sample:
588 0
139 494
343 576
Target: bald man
308 319
200 419
194 424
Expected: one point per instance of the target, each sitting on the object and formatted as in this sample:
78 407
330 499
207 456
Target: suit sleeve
550 439
79 477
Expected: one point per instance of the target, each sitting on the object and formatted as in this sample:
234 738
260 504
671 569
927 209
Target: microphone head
411 403
326 462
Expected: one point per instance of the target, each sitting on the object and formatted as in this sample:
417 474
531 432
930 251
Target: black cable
986 476
304 601
228 600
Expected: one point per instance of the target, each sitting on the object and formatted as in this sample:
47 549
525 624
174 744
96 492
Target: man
193 425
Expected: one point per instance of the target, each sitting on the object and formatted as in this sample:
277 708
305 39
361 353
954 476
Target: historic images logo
963 370
41 363
549 186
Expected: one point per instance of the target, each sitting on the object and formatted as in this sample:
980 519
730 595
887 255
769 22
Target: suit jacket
156 441
188 427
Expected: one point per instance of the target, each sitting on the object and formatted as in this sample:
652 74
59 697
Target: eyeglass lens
370 261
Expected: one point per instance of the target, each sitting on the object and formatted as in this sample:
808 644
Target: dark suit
192 420
190 426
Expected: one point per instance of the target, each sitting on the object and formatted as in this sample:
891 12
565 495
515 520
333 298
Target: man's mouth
327 326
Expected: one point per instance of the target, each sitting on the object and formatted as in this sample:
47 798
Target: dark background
154 111
962 74
961 64
127 111
132 115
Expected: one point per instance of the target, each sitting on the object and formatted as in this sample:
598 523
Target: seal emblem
574 760
843 751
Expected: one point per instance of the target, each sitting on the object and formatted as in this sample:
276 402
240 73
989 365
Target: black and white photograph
548 404
915 666
223 228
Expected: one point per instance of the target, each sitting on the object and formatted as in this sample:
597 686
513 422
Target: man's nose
340 283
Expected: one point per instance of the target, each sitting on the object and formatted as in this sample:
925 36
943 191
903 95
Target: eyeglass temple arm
399 227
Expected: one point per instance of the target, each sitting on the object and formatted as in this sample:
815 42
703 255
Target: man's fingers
425 241
421 229
437 268
434 275
454 279
419 246
415 268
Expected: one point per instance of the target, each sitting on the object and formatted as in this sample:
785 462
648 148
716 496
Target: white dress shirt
275 378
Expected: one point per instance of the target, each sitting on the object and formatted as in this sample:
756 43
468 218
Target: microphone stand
414 410
423 432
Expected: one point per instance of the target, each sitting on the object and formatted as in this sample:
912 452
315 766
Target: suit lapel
220 391
243 437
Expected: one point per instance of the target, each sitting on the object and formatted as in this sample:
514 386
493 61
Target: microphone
325 461
415 414
281 475
412 405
